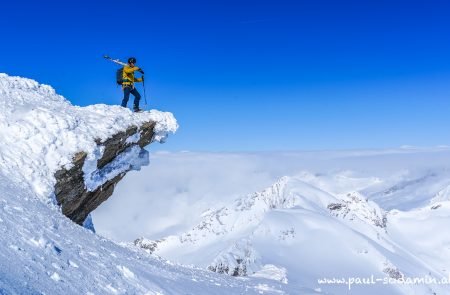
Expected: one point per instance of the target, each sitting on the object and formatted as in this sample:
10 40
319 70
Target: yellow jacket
128 76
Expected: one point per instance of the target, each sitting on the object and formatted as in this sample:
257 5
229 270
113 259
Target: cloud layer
169 195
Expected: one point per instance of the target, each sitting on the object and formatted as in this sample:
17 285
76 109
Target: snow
134 157
272 272
126 272
55 276
322 217
41 131
43 252
353 215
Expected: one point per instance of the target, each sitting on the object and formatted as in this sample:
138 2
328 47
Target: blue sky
251 75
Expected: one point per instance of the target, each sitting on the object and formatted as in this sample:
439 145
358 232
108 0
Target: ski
117 61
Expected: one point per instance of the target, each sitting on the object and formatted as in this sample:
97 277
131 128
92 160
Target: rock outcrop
76 199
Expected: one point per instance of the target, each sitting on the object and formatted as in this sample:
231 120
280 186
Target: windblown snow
43 252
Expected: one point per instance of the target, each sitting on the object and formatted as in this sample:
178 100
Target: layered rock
76 198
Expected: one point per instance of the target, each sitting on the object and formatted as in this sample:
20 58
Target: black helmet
132 60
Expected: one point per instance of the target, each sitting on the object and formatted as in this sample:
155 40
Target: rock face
75 199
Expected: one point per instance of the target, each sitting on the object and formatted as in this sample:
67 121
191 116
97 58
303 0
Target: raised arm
130 70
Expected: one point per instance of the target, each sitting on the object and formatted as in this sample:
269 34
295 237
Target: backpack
119 76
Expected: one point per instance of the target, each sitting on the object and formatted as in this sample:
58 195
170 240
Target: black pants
126 95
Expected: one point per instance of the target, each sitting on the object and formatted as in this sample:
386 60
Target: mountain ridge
248 236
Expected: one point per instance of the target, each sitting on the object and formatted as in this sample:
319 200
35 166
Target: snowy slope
315 226
43 252
41 131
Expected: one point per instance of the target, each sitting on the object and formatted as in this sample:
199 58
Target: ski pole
143 85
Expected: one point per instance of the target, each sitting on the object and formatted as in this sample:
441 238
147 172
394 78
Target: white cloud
169 195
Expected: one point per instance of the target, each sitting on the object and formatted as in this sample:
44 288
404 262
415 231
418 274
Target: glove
141 71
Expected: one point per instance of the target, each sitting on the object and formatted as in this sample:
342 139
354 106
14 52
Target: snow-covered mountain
324 226
42 251
370 216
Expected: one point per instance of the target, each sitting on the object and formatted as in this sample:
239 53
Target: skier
128 83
